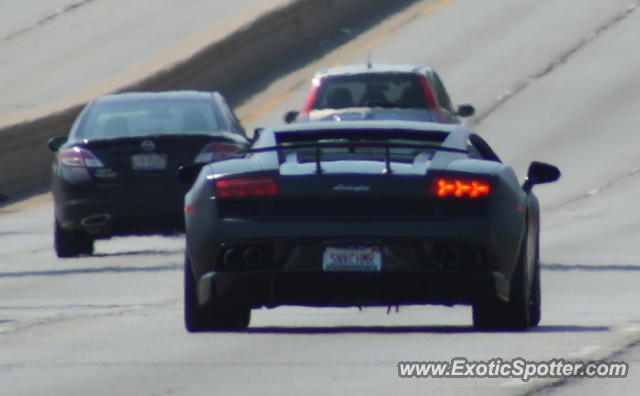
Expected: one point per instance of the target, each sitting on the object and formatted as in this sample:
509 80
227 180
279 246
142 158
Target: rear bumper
105 213
207 242
292 273
271 289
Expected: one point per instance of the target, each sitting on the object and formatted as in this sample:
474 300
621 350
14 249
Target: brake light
429 98
311 97
245 187
216 152
460 188
77 156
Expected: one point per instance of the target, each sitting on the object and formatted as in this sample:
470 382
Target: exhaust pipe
232 258
456 256
471 256
253 256
450 256
96 220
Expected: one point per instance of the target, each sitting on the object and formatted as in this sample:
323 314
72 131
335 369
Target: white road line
583 352
513 383
593 192
632 329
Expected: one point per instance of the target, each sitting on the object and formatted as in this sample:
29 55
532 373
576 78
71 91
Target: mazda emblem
148 145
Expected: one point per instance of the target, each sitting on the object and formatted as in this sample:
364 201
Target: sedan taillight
77 156
240 187
444 187
216 152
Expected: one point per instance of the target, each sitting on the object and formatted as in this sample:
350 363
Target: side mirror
56 142
189 173
540 173
256 134
290 116
466 110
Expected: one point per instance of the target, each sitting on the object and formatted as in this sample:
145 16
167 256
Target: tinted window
401 90
479 148
443 96
152 117
235 124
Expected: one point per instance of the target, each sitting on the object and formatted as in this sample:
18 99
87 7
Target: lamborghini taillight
240 187
443 187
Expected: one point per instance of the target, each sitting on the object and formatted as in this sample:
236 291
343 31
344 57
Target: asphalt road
53 49
554 81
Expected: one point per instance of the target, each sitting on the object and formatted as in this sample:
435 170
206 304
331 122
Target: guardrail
25 160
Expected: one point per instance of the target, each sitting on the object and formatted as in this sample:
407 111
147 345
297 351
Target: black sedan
115 174
367 213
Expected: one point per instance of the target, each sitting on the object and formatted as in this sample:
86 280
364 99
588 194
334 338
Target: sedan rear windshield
145 118
401 90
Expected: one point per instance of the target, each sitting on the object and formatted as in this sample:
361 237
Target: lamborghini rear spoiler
353 146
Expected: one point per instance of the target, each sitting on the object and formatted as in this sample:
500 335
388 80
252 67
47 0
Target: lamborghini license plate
149 161
352 258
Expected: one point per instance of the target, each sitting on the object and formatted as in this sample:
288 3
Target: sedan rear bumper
103 214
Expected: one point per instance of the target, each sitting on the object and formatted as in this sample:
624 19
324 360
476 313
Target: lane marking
268 106
433 7
370 44
593 192
513 383
583 352
632 329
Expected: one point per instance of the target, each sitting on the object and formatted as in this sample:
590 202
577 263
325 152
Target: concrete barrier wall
25 161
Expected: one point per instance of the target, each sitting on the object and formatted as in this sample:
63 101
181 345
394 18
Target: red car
379 92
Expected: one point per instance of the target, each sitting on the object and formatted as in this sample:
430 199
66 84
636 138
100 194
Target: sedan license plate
149 162
352 258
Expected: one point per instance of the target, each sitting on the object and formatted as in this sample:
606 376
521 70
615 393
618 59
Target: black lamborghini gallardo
115 174
362 214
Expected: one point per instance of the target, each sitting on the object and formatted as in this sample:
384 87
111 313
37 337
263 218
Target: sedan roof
373 68
161 95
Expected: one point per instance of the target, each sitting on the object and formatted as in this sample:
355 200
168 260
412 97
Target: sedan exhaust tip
95 221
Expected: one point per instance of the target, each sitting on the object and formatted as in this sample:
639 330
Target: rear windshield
402 146
401 90
151 117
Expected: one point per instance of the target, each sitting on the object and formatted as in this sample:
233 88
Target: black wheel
71 243
523 309
212 317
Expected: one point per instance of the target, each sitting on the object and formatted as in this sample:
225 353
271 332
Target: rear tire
71 243
212 317
523 309
535 304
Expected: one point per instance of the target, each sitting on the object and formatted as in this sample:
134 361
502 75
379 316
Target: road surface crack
557 62
554 386
46 19
592 193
